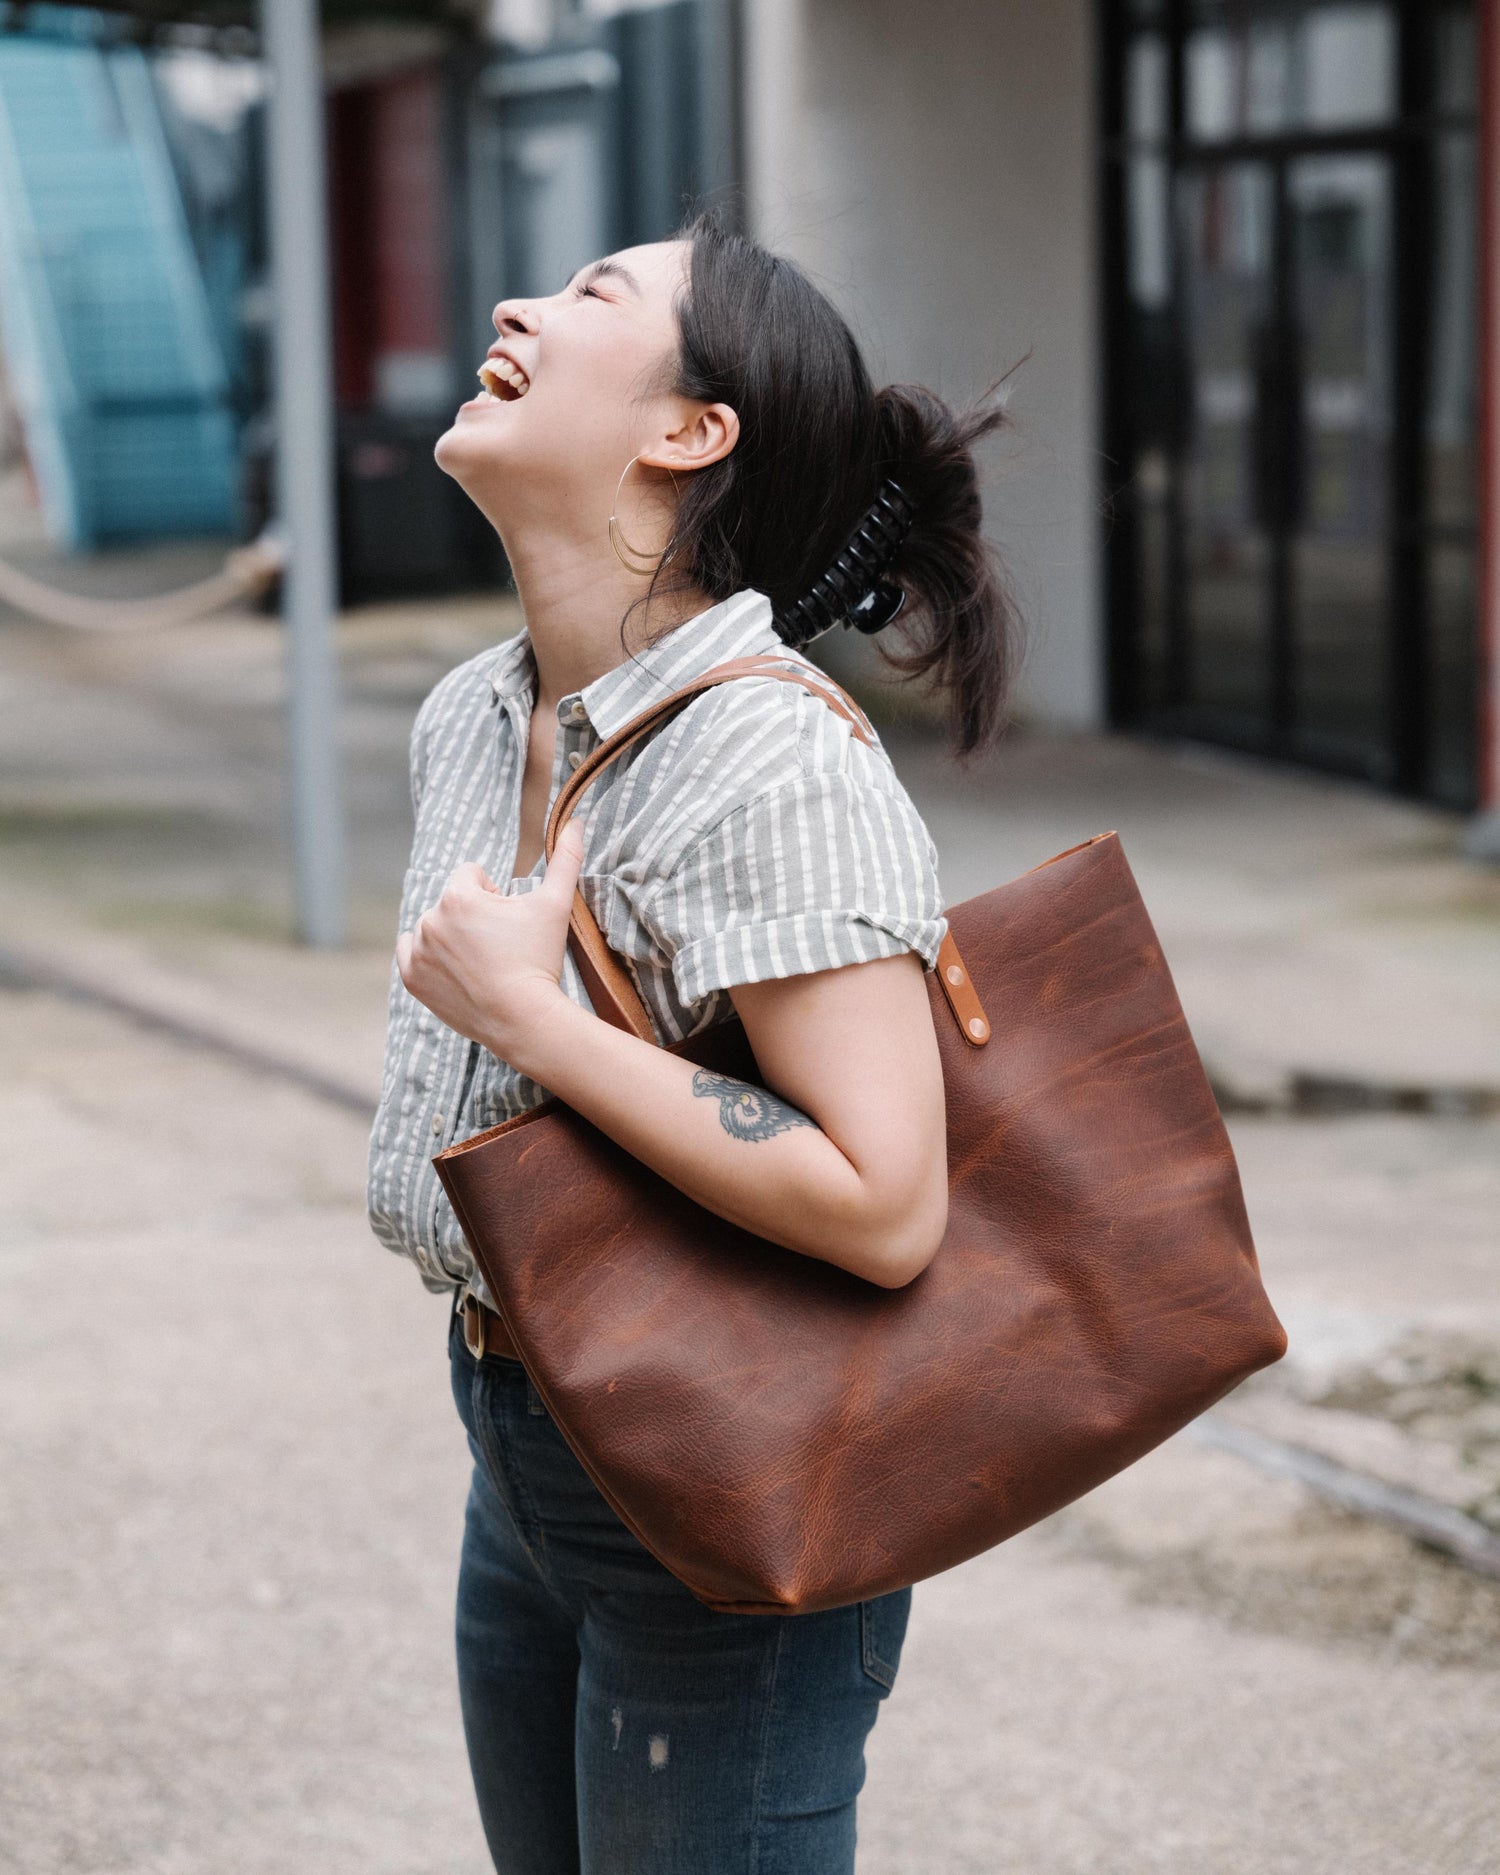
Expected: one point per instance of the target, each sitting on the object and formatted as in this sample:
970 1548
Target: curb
21 971
1293 1093
1305 1094
1463 1538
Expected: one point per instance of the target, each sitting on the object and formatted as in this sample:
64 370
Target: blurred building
476 149
1232 247
468 169
1238 240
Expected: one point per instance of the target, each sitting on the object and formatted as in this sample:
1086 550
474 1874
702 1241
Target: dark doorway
603 140
1290 384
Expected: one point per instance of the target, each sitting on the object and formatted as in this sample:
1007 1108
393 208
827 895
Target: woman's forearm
737 1149
859 1180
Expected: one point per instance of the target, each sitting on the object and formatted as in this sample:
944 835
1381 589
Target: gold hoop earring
643 562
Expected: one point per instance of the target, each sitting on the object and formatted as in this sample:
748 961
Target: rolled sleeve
819 872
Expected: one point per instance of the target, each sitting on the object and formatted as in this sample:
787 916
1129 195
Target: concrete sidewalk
1329 943
234 1491
1318 933
233 1520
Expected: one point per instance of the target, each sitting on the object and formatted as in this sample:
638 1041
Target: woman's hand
843 1155
488 964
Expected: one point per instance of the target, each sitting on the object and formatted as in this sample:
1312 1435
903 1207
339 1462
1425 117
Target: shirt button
437 1123
575 756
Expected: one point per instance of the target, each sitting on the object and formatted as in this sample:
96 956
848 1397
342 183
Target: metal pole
1483 839
304 457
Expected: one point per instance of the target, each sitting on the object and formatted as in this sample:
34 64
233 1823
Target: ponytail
816 444
960 626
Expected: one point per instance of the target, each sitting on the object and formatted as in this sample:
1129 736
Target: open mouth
503 381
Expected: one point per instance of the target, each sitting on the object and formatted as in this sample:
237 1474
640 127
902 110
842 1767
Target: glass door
1228 473
1289 256
1284 470
1338 418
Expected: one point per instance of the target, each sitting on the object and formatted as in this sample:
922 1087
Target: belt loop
473 1325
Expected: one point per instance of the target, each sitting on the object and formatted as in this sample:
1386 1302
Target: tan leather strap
611 991
839 701
608 983
963 998
484 1331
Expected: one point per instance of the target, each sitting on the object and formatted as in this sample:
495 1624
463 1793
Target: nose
515 315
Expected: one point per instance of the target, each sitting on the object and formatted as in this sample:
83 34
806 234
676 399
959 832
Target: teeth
497 371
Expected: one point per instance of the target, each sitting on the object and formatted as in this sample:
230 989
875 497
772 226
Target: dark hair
816 440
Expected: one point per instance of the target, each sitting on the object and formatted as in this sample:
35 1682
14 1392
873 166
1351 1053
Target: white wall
933 167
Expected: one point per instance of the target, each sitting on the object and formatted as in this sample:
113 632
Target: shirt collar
737 627
513 669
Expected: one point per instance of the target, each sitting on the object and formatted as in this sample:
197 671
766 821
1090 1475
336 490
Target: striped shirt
752 837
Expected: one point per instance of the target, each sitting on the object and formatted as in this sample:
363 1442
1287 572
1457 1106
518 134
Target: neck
573 598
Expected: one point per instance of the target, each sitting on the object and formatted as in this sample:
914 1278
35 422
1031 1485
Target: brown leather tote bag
784 1436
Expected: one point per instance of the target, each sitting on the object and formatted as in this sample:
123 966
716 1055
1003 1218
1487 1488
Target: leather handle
611 991
658 713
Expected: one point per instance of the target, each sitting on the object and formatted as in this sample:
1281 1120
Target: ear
705 434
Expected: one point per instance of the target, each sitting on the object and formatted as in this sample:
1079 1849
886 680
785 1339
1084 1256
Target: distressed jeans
615 1725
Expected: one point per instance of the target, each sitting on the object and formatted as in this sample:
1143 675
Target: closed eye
606 270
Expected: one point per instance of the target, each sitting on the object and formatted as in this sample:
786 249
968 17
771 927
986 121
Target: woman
673 449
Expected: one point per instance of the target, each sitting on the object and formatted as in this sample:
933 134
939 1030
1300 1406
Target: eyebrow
603 269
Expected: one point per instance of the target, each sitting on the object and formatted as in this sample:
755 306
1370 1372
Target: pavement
1330 944
234 1480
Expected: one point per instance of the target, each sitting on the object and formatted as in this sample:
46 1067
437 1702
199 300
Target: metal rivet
954 974
978 1026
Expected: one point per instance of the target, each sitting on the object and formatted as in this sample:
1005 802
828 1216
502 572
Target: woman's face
580 383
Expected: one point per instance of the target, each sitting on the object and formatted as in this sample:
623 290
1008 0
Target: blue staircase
106 330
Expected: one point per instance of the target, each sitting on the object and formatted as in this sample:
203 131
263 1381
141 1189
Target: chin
453 450
469 458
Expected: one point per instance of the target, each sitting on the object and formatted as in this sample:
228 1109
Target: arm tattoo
747 1112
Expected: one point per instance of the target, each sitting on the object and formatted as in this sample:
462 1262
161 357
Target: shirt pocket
421 888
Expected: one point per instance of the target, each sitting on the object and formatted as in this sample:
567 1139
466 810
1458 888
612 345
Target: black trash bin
405 528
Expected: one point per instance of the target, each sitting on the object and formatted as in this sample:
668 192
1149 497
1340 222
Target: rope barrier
246 571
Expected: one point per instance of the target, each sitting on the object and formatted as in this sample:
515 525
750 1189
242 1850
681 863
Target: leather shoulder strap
608 983
652 719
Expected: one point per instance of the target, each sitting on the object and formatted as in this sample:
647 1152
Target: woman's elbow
902 1266
904 1248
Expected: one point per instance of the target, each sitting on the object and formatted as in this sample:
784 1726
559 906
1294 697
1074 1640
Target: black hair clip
853 591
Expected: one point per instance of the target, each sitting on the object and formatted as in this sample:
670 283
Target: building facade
469 168
1237 263
1241 247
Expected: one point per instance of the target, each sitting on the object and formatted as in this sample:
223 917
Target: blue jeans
615 1725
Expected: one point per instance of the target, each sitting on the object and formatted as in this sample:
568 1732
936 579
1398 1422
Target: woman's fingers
471 873
475 958
561 877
